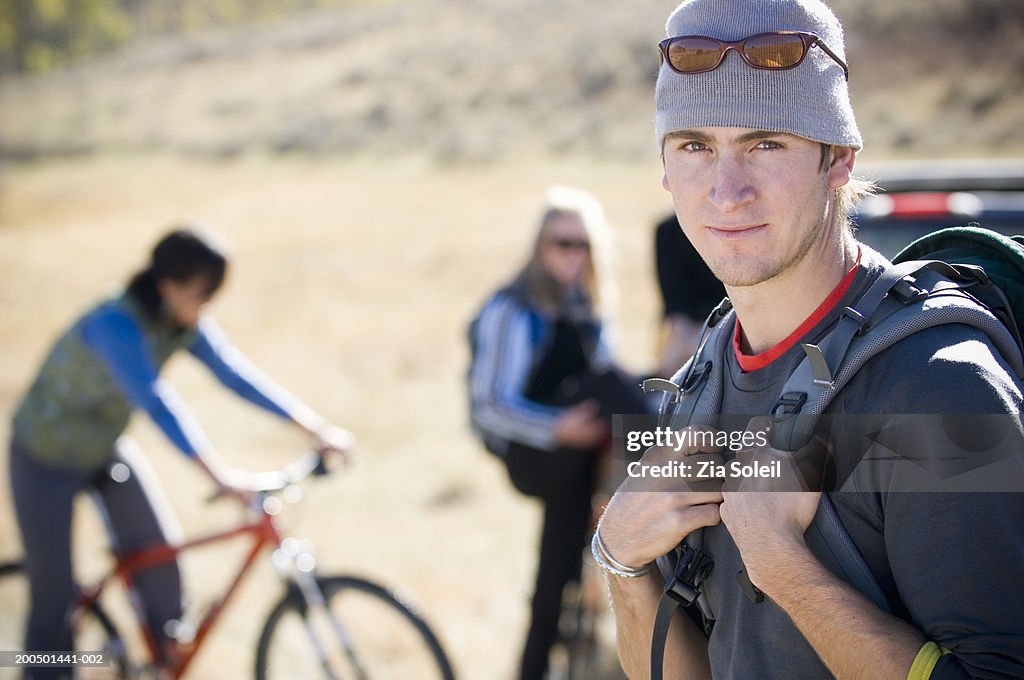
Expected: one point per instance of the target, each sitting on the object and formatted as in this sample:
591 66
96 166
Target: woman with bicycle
67 431
543 386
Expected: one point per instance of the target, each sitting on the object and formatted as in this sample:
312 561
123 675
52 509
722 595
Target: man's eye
768 144
694 146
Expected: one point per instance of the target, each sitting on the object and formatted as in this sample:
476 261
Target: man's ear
840 166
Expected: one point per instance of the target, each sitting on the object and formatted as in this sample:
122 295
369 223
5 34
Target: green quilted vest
74 411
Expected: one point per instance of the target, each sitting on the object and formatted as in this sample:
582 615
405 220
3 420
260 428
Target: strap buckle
692 568
789 404
691 381
906 292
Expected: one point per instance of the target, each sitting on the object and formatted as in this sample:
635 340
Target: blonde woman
543 386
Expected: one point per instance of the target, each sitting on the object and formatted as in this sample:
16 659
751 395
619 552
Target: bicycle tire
575 651
374 619
96 630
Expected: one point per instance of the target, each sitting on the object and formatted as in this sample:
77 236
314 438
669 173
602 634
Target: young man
759 142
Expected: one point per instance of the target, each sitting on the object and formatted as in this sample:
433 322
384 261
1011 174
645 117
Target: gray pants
137 515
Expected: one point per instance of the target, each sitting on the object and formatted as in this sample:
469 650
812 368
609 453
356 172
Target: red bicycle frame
177 659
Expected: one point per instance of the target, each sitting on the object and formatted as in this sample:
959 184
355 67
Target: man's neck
769 311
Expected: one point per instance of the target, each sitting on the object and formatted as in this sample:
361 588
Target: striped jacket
509 337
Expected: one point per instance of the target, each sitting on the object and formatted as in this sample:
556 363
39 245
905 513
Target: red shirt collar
753 362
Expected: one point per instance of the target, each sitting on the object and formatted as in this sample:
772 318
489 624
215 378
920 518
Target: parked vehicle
917 197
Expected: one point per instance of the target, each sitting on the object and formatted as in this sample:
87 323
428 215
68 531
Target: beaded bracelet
610 564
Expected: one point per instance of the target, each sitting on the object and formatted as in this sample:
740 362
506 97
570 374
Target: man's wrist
612 566
789 563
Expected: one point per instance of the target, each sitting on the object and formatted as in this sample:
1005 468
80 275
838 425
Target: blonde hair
850 194
598 285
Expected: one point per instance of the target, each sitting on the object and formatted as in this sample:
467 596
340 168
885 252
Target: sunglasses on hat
774 51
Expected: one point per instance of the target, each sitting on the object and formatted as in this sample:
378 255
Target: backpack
492 444
967 275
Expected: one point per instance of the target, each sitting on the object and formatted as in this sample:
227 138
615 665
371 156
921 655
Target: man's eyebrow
760 134
693 135
704 138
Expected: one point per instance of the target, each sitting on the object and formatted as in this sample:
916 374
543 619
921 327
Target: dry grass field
352 284
378 170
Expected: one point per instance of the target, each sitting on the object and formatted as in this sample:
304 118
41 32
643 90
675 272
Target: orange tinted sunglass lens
694 54
774 51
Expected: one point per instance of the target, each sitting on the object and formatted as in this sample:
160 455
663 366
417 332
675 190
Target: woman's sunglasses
775 51
570 244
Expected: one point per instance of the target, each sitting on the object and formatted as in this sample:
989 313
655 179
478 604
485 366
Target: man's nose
732 186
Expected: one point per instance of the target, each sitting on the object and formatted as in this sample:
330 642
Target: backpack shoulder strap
830 531
906 298
693 396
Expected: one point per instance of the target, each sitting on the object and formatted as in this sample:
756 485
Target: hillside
378 170
483 81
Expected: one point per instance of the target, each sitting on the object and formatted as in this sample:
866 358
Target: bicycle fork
297 565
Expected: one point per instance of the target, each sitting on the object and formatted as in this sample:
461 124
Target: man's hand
648 516
767 517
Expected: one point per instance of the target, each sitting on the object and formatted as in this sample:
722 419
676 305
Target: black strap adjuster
789 404
691 570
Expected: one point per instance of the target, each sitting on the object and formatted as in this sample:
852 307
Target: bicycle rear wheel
386 637
93 629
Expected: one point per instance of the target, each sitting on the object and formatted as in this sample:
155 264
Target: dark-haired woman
67 431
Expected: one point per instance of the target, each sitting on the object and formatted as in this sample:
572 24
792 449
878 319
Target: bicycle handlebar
266 483
311 463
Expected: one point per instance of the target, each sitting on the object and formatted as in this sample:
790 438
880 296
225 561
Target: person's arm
646 518
501 370
956 558
965 592
842 626
118 342
684 294
212 347
634 602
674 280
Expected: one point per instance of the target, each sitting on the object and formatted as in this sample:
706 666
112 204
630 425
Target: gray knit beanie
811 100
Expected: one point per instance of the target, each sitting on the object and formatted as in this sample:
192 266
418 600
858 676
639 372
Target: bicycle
332 626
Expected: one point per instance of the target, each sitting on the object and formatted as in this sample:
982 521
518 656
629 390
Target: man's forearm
854 638
635 602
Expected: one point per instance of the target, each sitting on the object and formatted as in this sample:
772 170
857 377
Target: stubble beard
742 271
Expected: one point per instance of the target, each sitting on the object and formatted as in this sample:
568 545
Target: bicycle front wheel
365 632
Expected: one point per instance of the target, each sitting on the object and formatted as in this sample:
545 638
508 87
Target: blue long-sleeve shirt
109 363
118 340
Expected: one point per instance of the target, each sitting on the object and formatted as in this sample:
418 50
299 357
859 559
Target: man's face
754 204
